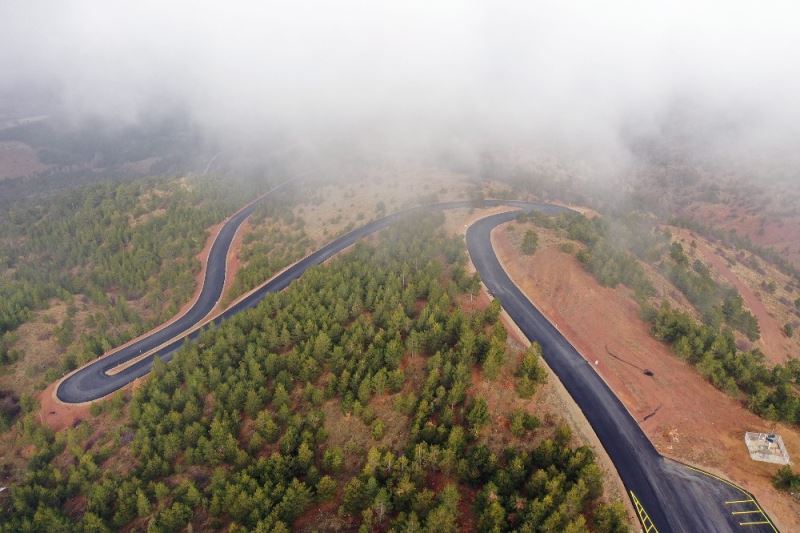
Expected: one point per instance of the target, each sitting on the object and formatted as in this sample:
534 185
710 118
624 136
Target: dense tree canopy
107 245
231 434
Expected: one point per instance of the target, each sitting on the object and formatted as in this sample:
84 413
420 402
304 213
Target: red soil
56 414
782 234
773 342
59 415
684 416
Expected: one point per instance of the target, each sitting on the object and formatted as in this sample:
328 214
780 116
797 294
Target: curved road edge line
555 326
210 317
174 318
217 312
203 322
633 501
735 486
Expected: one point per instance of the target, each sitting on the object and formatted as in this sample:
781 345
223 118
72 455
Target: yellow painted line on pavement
743 491
766 518
747 512
644 518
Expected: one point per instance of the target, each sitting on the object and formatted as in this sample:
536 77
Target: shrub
786 480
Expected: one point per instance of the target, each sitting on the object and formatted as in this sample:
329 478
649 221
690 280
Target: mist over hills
611 85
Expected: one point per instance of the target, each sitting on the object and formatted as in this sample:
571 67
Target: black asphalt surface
92 382
675 497
669 496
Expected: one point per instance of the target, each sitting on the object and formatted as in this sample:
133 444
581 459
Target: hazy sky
571 72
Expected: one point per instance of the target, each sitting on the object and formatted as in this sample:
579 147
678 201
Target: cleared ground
683 415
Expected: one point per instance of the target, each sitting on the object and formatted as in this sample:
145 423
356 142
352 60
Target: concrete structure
766 447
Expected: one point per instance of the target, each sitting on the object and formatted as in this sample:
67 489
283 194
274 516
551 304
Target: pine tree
530 242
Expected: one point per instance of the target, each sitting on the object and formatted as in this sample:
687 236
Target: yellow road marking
747 512
740 489
766 518
644 518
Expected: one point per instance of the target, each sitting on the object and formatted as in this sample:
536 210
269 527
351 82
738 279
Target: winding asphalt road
92 381
668 496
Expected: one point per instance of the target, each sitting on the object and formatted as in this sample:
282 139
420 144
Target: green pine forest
233 434
120 258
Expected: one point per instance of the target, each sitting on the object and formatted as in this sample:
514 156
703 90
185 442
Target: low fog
605 83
